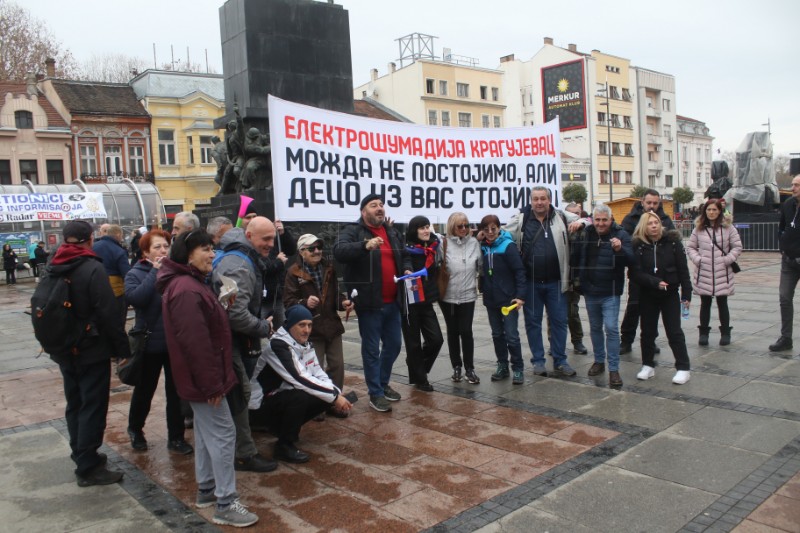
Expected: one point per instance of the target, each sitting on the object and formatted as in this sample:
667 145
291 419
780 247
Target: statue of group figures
243 159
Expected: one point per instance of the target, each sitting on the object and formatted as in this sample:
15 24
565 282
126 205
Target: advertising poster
564 94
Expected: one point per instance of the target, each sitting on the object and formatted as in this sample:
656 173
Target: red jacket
198 334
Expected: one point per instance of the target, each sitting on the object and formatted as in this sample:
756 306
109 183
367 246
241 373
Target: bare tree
25 43
111 67
782 174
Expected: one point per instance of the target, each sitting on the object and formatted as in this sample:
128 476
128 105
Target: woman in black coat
141 293
10 264
661 270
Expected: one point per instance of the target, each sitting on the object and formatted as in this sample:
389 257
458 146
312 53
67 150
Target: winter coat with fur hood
712 251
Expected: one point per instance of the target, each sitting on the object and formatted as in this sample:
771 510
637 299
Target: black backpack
55 324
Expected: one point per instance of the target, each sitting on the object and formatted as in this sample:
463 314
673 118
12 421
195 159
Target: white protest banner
29 207
324 163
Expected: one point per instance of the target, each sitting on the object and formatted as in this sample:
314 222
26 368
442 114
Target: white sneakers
647 372
681 377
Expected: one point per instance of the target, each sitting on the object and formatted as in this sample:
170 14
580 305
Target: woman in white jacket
463 261
713 247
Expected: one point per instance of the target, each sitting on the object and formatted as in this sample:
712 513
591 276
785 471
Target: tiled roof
687 119
94 98
372 109
54 120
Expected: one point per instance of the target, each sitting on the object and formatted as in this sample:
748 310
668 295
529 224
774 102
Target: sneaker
681 377
456 377
205 498
380 404
501 372
579 348
255 463
647 372
391 394
99 475
783 343
424 387
518 378
290 453
564 370
596 369
614 379
138 442
472 377
540 370
624 348
180 446
235 515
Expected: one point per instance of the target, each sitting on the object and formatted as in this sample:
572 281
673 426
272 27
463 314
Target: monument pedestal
227 205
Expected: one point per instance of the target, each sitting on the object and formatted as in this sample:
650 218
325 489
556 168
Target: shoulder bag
130 371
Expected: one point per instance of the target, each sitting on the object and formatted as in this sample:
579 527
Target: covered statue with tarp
754 181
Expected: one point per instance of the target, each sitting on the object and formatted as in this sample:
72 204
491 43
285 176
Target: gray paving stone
763 394
558 393
742 430
648 411
702 385
786 369
691 462
522 520
735 362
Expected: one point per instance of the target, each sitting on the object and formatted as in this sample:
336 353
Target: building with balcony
657 129
694 155
34 139
183 106
451 91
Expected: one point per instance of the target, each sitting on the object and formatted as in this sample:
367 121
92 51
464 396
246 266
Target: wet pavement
721 453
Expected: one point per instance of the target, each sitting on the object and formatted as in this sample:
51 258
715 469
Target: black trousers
286 412
11 277
722 307
143 396
630 321
421 353
669 307
458 319
86 388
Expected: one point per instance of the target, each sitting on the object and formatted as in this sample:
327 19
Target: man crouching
289 387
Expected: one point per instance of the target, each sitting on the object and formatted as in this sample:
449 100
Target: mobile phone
351 396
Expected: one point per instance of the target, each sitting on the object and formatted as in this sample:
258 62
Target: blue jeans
603 314
539 296
376 327
505 336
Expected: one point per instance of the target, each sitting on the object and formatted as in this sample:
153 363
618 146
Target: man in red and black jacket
373 254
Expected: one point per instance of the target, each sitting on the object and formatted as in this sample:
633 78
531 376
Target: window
629 176
28 170
665 105
685 178
136 160
55 171
603 148
601 118
699 180
465 120
615 120
495 94
668 131
650 130
616 176
484 121
484 92
191 149
88 159
445 118
628 149
5 172
699 155
432 115
651 181
603 176
166 147
496 121
23 120
615 149
443 87
205 150
429 83
626 95
668 180
626 120
708 155
613 92
113 157
685 153
668 156
649 102
651 156
462 89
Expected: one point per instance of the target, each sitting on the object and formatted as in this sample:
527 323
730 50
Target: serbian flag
414 290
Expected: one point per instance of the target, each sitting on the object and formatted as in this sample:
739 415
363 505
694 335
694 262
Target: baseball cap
307 239
77 231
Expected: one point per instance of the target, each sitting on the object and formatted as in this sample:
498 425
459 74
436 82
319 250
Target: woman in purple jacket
199 343
713 247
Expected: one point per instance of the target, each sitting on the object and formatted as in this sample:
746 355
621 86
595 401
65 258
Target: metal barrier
755 236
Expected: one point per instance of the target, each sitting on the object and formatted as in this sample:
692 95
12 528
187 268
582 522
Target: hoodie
503 275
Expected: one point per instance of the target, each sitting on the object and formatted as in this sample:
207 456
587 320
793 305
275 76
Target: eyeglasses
313 248
462 226
492 229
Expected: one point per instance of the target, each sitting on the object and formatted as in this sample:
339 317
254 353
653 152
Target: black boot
704 331
725 335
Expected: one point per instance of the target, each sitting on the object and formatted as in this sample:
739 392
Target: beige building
657 131
183 106
694 157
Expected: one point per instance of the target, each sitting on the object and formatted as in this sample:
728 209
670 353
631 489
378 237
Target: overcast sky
735 62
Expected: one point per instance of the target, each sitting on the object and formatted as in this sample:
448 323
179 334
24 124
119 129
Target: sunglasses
462 226
313 248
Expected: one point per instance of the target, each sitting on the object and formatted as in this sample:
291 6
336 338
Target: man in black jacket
789 235
651 201
373 254
87 375
604 253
